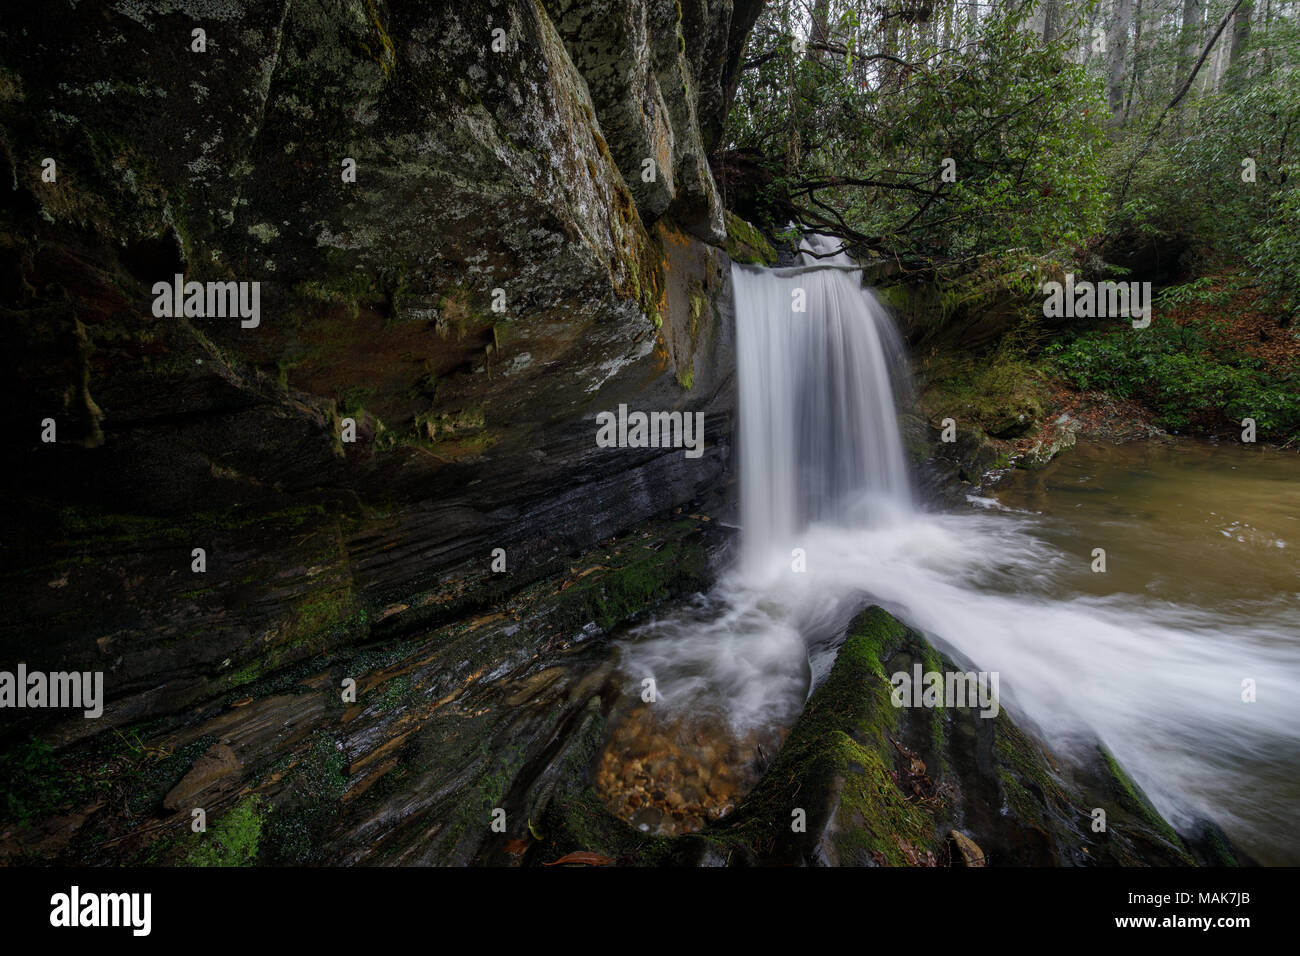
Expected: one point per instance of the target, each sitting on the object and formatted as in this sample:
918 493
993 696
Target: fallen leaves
913 855
928 794
968 851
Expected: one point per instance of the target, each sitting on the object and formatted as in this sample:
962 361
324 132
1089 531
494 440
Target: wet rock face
458 260
640 68
496 703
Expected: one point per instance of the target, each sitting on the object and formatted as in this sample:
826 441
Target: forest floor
1246 322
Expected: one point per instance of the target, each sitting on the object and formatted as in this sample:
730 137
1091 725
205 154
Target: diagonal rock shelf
445 725
453 726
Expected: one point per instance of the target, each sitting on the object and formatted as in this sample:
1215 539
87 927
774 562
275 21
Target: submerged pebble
679 776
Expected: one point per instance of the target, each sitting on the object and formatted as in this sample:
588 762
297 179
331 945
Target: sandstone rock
1064 433
214 772
968 854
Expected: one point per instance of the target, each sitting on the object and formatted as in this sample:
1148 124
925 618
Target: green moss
580 822
394 693
376 658
33 782
841 744
436 425
1214 844
1022 772
384 53
699 308
234 839
319 613
159 851
1002 392
746 244
326 621
624 591
315 786
1132 799
351 400
349 289
883 823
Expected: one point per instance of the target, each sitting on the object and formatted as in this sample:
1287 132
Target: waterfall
1149 659
819 436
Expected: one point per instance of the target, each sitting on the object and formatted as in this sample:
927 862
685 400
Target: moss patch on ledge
745 244
1132 798
640 580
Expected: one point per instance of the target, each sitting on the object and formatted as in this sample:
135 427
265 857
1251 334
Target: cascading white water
1154 671
818 429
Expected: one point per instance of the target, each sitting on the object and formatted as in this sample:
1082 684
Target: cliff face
474 226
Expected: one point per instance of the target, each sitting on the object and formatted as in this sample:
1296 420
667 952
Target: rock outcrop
459 265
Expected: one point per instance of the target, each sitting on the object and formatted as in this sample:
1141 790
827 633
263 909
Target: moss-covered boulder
863 782
745 244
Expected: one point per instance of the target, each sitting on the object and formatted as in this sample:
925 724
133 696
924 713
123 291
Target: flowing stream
1201 590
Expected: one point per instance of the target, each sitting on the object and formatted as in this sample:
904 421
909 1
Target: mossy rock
745 244
877 784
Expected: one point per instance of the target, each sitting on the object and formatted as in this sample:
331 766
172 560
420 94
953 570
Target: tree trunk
888 46
1051 20
1117 43
821 31
1190 38
1136 71
1240 40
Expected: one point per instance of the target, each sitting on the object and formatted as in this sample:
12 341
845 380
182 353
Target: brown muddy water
1189 522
